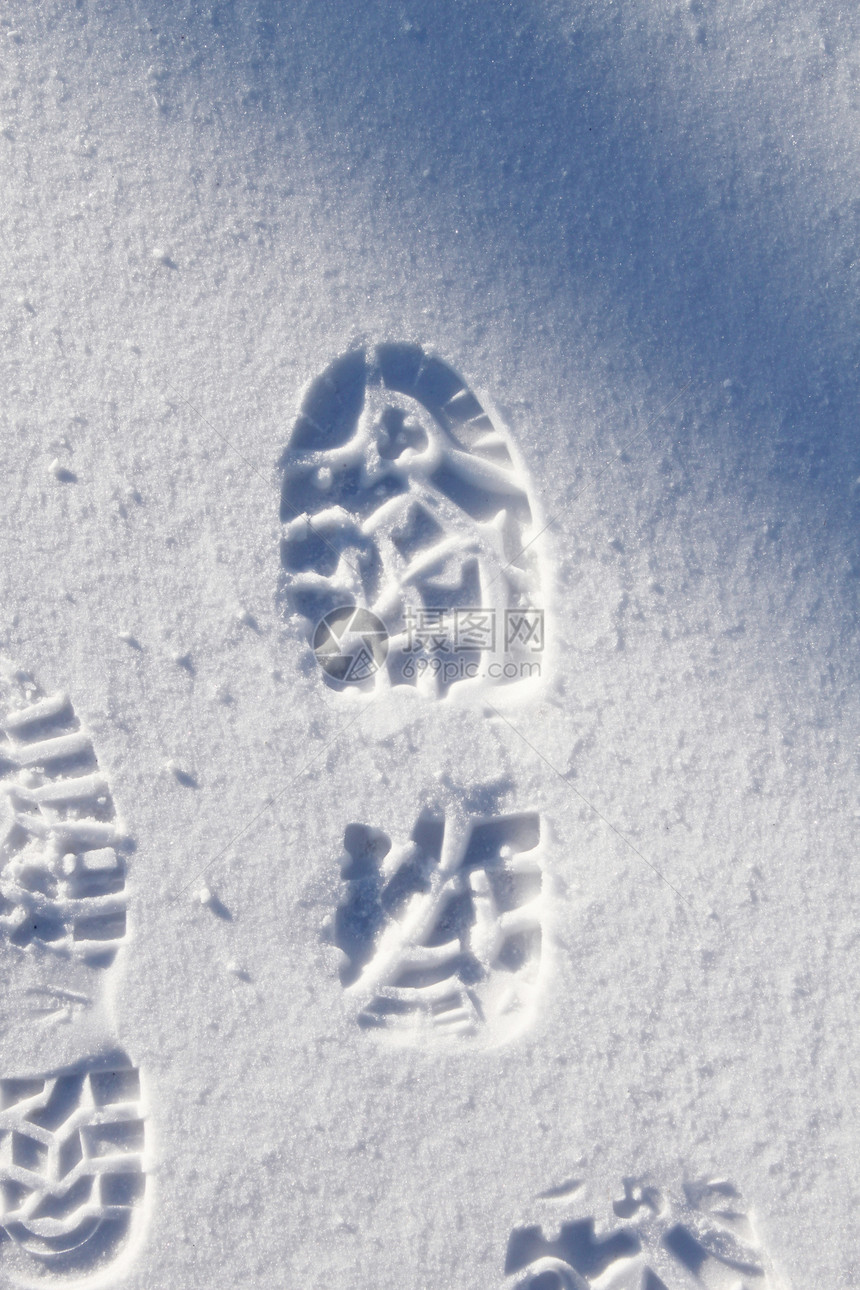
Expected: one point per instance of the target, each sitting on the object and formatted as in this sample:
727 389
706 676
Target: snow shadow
592 158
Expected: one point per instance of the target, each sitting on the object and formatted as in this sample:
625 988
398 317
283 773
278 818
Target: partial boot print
62 874
410 547
697 1237
441 934
72 1156
71 1171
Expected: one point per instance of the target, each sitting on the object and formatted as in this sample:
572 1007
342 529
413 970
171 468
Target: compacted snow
428 620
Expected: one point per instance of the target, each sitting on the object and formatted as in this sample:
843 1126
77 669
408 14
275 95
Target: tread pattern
400 495
71 1159
442 935
62 871
700 1237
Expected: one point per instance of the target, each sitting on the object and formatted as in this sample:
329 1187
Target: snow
632 228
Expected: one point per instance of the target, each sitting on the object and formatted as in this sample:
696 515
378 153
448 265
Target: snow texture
322 964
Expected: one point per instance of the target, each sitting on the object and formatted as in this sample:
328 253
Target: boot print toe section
72 1153
403 498
697 1236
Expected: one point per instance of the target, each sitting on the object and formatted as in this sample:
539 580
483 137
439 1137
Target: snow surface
635 225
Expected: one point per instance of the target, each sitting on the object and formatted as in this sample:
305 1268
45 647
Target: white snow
635 226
